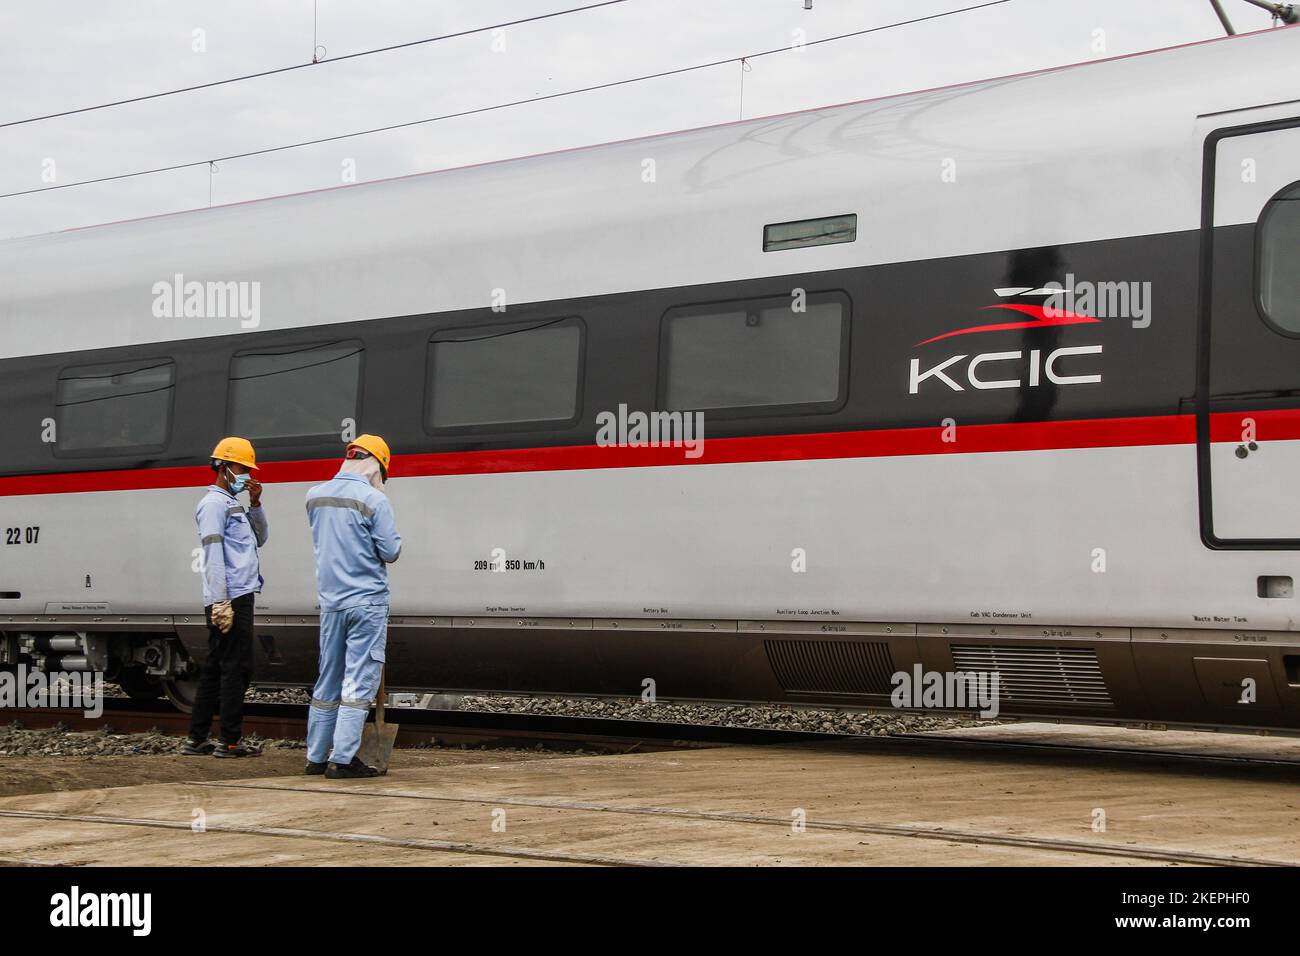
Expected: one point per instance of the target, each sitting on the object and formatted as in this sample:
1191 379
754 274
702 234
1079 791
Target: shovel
378 738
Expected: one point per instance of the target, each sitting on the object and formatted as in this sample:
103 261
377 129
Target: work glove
223 615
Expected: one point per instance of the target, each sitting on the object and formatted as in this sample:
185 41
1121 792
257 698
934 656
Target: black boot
355 769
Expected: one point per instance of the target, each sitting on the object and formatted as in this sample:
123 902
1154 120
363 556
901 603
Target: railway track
331 836
623 736
914 831
496 729
1149 854
423 727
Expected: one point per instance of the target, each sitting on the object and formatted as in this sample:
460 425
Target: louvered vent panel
1056 675
831 667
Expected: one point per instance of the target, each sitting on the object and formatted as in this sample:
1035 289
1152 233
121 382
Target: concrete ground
859 804
42 774
1255 746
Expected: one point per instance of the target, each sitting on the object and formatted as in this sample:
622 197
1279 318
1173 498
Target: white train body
1099 537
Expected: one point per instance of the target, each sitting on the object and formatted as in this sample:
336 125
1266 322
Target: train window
106 409
760 353
514 375
810 232
1279 259
298 391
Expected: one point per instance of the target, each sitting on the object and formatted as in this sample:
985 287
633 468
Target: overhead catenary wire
495 106
1223 18
314 62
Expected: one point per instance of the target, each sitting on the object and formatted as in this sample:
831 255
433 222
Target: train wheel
138 685
181 693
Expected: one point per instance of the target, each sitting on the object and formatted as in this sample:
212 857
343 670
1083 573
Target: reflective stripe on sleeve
212 539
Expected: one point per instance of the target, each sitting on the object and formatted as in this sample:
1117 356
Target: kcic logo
1074 303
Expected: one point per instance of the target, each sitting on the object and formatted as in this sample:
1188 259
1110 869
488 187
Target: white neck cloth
368 468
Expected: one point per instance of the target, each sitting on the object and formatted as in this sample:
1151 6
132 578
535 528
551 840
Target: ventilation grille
1054 675
831 667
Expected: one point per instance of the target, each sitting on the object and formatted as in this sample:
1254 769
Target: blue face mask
238 482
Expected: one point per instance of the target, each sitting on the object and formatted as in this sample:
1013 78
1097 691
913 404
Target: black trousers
225 675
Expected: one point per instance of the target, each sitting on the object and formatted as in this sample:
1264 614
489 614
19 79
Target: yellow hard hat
375 446
238 450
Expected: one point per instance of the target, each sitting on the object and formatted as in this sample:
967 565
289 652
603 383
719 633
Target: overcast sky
58 56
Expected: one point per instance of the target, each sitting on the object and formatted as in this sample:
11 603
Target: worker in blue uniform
229 536
355 539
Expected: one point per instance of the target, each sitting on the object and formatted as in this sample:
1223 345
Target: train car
1003 376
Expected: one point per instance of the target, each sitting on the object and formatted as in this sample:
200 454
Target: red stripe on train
1026 436
1276 425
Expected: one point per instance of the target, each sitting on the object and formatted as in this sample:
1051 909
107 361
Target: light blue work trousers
352 643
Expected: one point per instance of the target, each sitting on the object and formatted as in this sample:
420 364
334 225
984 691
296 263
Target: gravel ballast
765 716
19 741
759 716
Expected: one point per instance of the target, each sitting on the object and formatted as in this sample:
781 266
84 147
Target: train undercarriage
145 666
1231 679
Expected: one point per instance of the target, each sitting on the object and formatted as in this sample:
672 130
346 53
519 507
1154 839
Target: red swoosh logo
1041 320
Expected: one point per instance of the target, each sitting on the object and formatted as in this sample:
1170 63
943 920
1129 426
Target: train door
1249 383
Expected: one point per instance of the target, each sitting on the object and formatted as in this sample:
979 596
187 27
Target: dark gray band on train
358 506
324 704
212 539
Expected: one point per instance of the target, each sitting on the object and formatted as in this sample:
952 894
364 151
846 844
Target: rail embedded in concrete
474 727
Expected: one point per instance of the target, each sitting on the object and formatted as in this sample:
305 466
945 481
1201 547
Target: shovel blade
377 742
